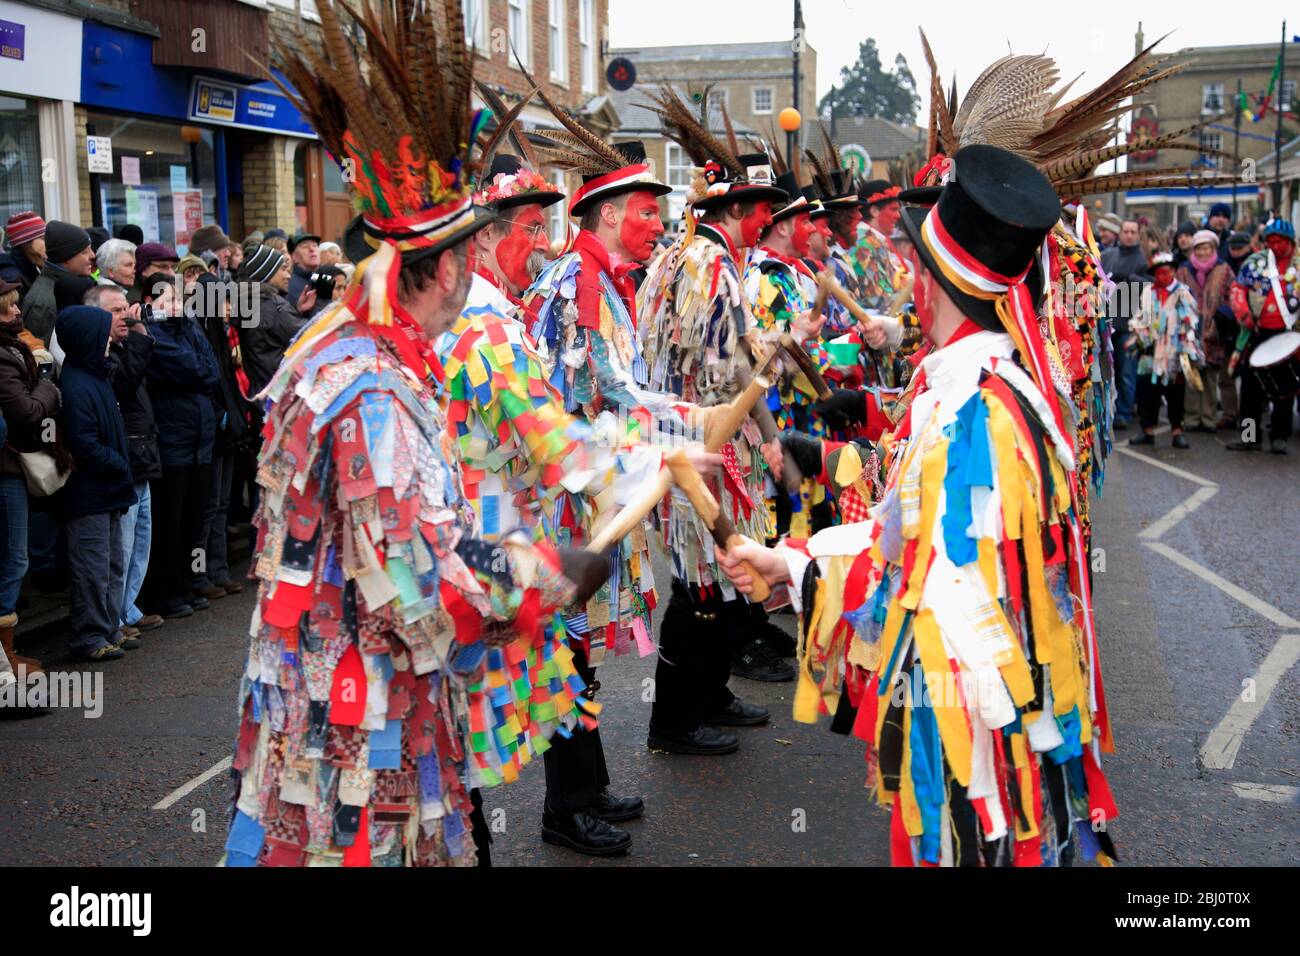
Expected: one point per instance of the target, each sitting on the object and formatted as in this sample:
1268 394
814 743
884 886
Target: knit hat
1110 221
23 227
260 264
1205 235
130 232
209 237
1188 228
63 240
151 252
190 262
1220 209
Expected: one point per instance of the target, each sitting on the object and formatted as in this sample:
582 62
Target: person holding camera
181 377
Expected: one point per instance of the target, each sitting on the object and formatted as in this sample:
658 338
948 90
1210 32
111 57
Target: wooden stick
842 296
807 366
632 514
723 531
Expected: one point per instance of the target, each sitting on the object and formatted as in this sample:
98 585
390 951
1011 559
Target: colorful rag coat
877 267
1253 299
1168 333
693 315
526 463
586 331
396 661
958 618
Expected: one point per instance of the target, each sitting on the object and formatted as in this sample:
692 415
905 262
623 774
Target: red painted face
640 226
527 236
752 226
887 217
803 230
921 296
1163 275
1282 247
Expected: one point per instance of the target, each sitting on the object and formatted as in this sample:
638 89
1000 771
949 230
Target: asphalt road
1176 650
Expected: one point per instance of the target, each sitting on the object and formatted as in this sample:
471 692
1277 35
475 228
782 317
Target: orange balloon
790 119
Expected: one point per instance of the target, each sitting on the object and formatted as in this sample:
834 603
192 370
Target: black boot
582 831
612 809
704 741
759 662
739 714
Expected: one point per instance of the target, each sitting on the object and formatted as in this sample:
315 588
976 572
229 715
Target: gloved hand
805 452
845 407
586 570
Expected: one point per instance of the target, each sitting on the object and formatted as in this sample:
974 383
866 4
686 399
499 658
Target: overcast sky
1093 37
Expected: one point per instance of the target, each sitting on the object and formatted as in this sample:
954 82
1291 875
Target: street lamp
790 121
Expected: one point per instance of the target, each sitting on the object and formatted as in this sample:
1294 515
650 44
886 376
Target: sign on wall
99 154
13 40
259 106
856 159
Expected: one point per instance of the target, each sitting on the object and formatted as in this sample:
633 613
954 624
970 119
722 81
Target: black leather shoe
740 714
704 741
1180 441
612 809
759 662
1242 446
1277 446
584 832
1142 438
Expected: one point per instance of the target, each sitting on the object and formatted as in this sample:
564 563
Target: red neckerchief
794 262
595 260
405 335
489 276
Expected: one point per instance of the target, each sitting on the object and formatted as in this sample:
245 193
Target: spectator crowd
129 425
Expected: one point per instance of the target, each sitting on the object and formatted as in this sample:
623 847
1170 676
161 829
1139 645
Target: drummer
1255 301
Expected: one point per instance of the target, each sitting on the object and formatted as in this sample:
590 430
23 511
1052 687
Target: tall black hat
981 239
797 201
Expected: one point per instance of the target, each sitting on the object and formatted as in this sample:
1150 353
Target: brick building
754 80
1208 88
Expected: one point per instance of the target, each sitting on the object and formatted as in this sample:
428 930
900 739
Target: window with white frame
307 10
557 22
587 43
558 222
763 96
476 24
680 167
1211 144
1288 94
1211 98
521 40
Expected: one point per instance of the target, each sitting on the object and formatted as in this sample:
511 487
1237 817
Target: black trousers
179 498
1253 400
1149 396
575 768
694 661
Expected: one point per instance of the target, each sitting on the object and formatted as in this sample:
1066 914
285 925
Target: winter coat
1218 326
16 267
128 365
38 307
264 336
181 378
1124 265
101 481
26 403
229 405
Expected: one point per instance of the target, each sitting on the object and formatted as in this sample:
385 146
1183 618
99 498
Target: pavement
1198 617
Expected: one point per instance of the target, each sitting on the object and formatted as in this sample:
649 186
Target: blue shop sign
248 106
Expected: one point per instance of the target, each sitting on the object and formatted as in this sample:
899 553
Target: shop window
20 158
163 179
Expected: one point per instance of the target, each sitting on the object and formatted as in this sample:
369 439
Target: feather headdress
396 114
1014 104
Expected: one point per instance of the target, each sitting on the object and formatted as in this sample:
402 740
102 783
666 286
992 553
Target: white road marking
1157 529
185 789
1268 792
1220 750
1221 747
1172 469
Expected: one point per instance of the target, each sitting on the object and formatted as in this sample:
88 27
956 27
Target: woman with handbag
30 457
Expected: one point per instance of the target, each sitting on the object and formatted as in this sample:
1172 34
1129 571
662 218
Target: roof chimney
1139 42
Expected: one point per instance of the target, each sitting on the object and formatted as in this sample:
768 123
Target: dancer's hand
765 561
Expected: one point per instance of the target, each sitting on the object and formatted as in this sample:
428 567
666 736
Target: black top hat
506 164
361 239
985 229
814 197
632 178
841 195
876 191
921 195
757 185
798 201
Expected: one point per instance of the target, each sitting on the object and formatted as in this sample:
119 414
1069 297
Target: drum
1275 363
